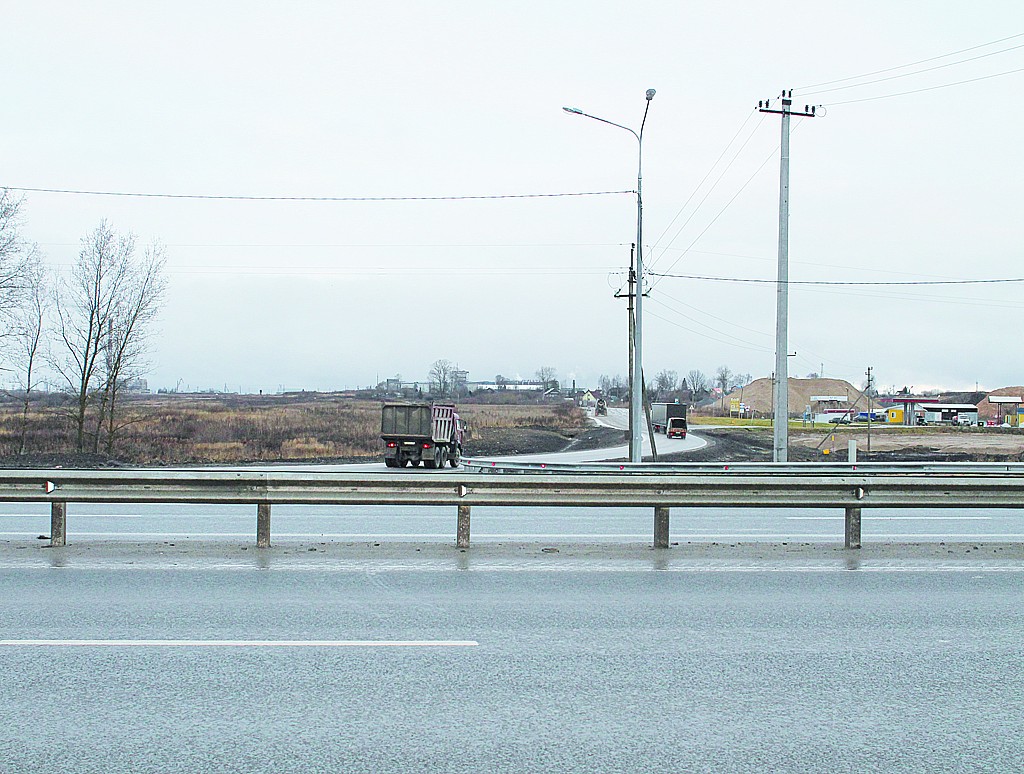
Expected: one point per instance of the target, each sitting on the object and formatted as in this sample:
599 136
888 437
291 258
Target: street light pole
636 404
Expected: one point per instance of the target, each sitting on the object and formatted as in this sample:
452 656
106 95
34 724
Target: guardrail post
661 526
263 525
853 527
58 523
462 528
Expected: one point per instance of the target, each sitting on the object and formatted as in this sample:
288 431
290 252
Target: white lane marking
243 643
892 518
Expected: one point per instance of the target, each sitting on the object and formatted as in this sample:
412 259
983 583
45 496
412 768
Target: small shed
1008 408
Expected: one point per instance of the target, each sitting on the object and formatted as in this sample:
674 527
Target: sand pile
988 410
758 394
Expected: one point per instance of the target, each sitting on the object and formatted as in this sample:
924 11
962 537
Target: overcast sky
455 99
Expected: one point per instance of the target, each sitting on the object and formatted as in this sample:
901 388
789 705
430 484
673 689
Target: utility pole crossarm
810 111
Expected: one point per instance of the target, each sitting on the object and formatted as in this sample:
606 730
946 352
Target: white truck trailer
669 418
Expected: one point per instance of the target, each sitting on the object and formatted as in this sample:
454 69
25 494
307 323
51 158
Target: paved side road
617 418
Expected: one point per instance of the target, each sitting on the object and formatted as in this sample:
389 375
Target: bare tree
441 373
16 258
103 309
548 377
723 380
723 377
29 324
611 386
699 383
665 382
742 380
129 333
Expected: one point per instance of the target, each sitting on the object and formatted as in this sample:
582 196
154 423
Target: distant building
136 386
515 385
950 414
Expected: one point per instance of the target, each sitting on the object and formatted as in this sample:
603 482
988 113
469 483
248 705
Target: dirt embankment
503 441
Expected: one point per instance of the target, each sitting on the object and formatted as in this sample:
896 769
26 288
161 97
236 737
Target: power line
959 301
702 181
705 336
327 271
927 88
832 282
743 187
314 198
662 293
907 75
910 64
799 347
707 194
362 246
810 263
914 72
697 322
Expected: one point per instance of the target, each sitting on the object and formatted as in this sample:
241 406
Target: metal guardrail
483 465
800 485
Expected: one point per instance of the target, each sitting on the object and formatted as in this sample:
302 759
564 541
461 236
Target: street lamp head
650 94
576 111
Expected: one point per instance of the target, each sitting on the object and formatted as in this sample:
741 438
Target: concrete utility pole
631 283
867 390
780 447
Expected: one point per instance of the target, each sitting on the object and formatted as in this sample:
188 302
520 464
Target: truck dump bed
418 420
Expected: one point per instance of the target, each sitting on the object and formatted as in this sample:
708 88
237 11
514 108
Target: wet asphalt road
24 522
577 670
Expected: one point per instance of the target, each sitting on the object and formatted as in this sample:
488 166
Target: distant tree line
667 385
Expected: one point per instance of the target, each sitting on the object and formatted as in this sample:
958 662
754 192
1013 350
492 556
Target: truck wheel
403 462
455 458
441 457
391 462
430 464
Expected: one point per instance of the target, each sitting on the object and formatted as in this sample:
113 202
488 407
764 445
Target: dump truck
669 418
430 433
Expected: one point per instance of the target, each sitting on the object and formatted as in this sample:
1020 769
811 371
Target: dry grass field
180 429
